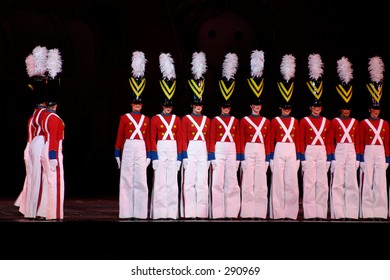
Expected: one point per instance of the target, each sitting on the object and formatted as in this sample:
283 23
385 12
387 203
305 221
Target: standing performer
224 149
52 158
195 127
255 148
28 200
132 149
165 148
313 131
374 149
285 158
343 138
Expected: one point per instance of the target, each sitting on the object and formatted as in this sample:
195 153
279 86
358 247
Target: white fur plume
167 67
315 66
229 66
257 63
54 62
376 68
287 67
344 69
138 62
199 65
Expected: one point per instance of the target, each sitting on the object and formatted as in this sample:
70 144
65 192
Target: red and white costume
343 138
166 148
284 165
374 146
313 144
29 197
225 145
53 176
133 141
195 192
255 146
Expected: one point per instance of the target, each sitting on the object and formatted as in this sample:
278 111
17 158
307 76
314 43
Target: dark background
96 40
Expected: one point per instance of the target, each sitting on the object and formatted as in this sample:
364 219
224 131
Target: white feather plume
199 65
344 69
54 62
138 62
376 68
30 65
229 66
287 67
315 66
167 67
257 63
40 56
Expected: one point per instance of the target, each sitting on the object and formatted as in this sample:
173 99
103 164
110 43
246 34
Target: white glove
271 165
147 162
214 164
362 166
118 161
53 164
266 165
298 163
155 164
185 163
357 163
208 164
237 165
178 165
387 165
327 166
332 166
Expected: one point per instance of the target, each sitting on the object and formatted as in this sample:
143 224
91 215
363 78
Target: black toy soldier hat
43 67
345 89
256 81
286 87
314 83
227 83
137 80
375 86
168 83
197 83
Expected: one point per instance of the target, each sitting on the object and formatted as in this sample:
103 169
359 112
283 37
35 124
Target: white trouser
254 189
195 192
225 191
52 199
345 190
133 185
315 183
374 190
285 188
165 200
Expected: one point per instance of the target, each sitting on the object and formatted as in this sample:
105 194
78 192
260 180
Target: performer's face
374 113
225 110
197 109
167 109
136 107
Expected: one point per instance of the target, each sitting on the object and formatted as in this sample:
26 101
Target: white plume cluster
138 62
43 62
199 65
376 68
257 63
315 66
287 67
167 67
344 69
229 66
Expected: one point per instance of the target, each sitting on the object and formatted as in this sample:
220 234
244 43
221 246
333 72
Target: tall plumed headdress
314 84
43 67
344 89
137 80
197 83
286 88
376 68
256 82
168 83
228 83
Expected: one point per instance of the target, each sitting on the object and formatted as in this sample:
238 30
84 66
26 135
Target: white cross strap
346 130
376 131
168 127
286 131
317 132
199 133
137 127
227 129
258 129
